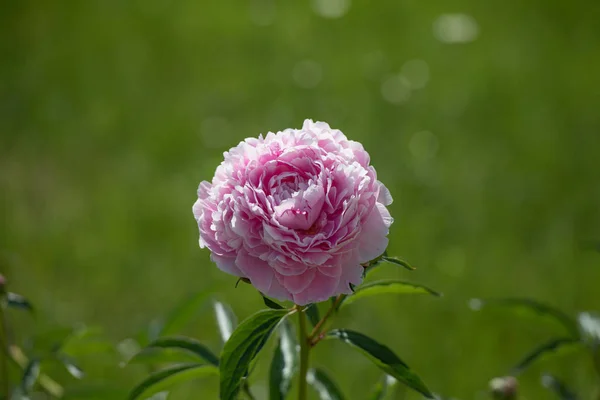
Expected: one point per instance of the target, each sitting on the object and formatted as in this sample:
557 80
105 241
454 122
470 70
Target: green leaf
243 346
157 356
183 314
323 385
549 347
30 375
226 319
398 261
384 388
185 344
312 312
383 357
14 300
530 306
553 384
285 362
271 304
387 286
169 377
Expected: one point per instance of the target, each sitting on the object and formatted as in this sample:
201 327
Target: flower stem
304 352
317 329
4 390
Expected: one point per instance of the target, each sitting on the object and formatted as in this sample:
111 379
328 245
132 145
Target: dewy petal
226 264
321 288
298 283
384 197
258 271
373 240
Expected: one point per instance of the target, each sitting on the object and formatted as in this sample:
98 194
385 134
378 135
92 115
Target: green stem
317 329
304 351
5 390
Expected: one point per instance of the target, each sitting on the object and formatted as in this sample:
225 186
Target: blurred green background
481 117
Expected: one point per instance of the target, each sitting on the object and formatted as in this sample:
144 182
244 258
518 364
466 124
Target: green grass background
112 112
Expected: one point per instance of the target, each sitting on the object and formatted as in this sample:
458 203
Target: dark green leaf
182 314
398 261
14 300
384 388
387 286
271 304
323 385
554 384
167 378
185 344
157 356
285 362
383 357
312 312
226 319
30 375
242 347
529 305
549 347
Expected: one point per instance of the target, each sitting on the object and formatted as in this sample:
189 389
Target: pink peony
296 212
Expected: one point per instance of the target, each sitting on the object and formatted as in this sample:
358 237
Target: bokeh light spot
262 12
416 72
455 28
331 8
307 74
395 89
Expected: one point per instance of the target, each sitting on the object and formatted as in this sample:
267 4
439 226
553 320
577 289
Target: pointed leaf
182 314
185 344
243 346
30 375
552 383
271 304
383 357
530 306
226 319
323 385
312 312
157 356
167 378
285 362
387 286
549 347
398 261
14 300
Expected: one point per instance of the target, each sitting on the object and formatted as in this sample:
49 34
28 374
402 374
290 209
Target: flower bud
504 388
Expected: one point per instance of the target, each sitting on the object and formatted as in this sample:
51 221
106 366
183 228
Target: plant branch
317 329
304 352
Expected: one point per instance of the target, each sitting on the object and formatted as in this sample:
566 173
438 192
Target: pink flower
296 212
